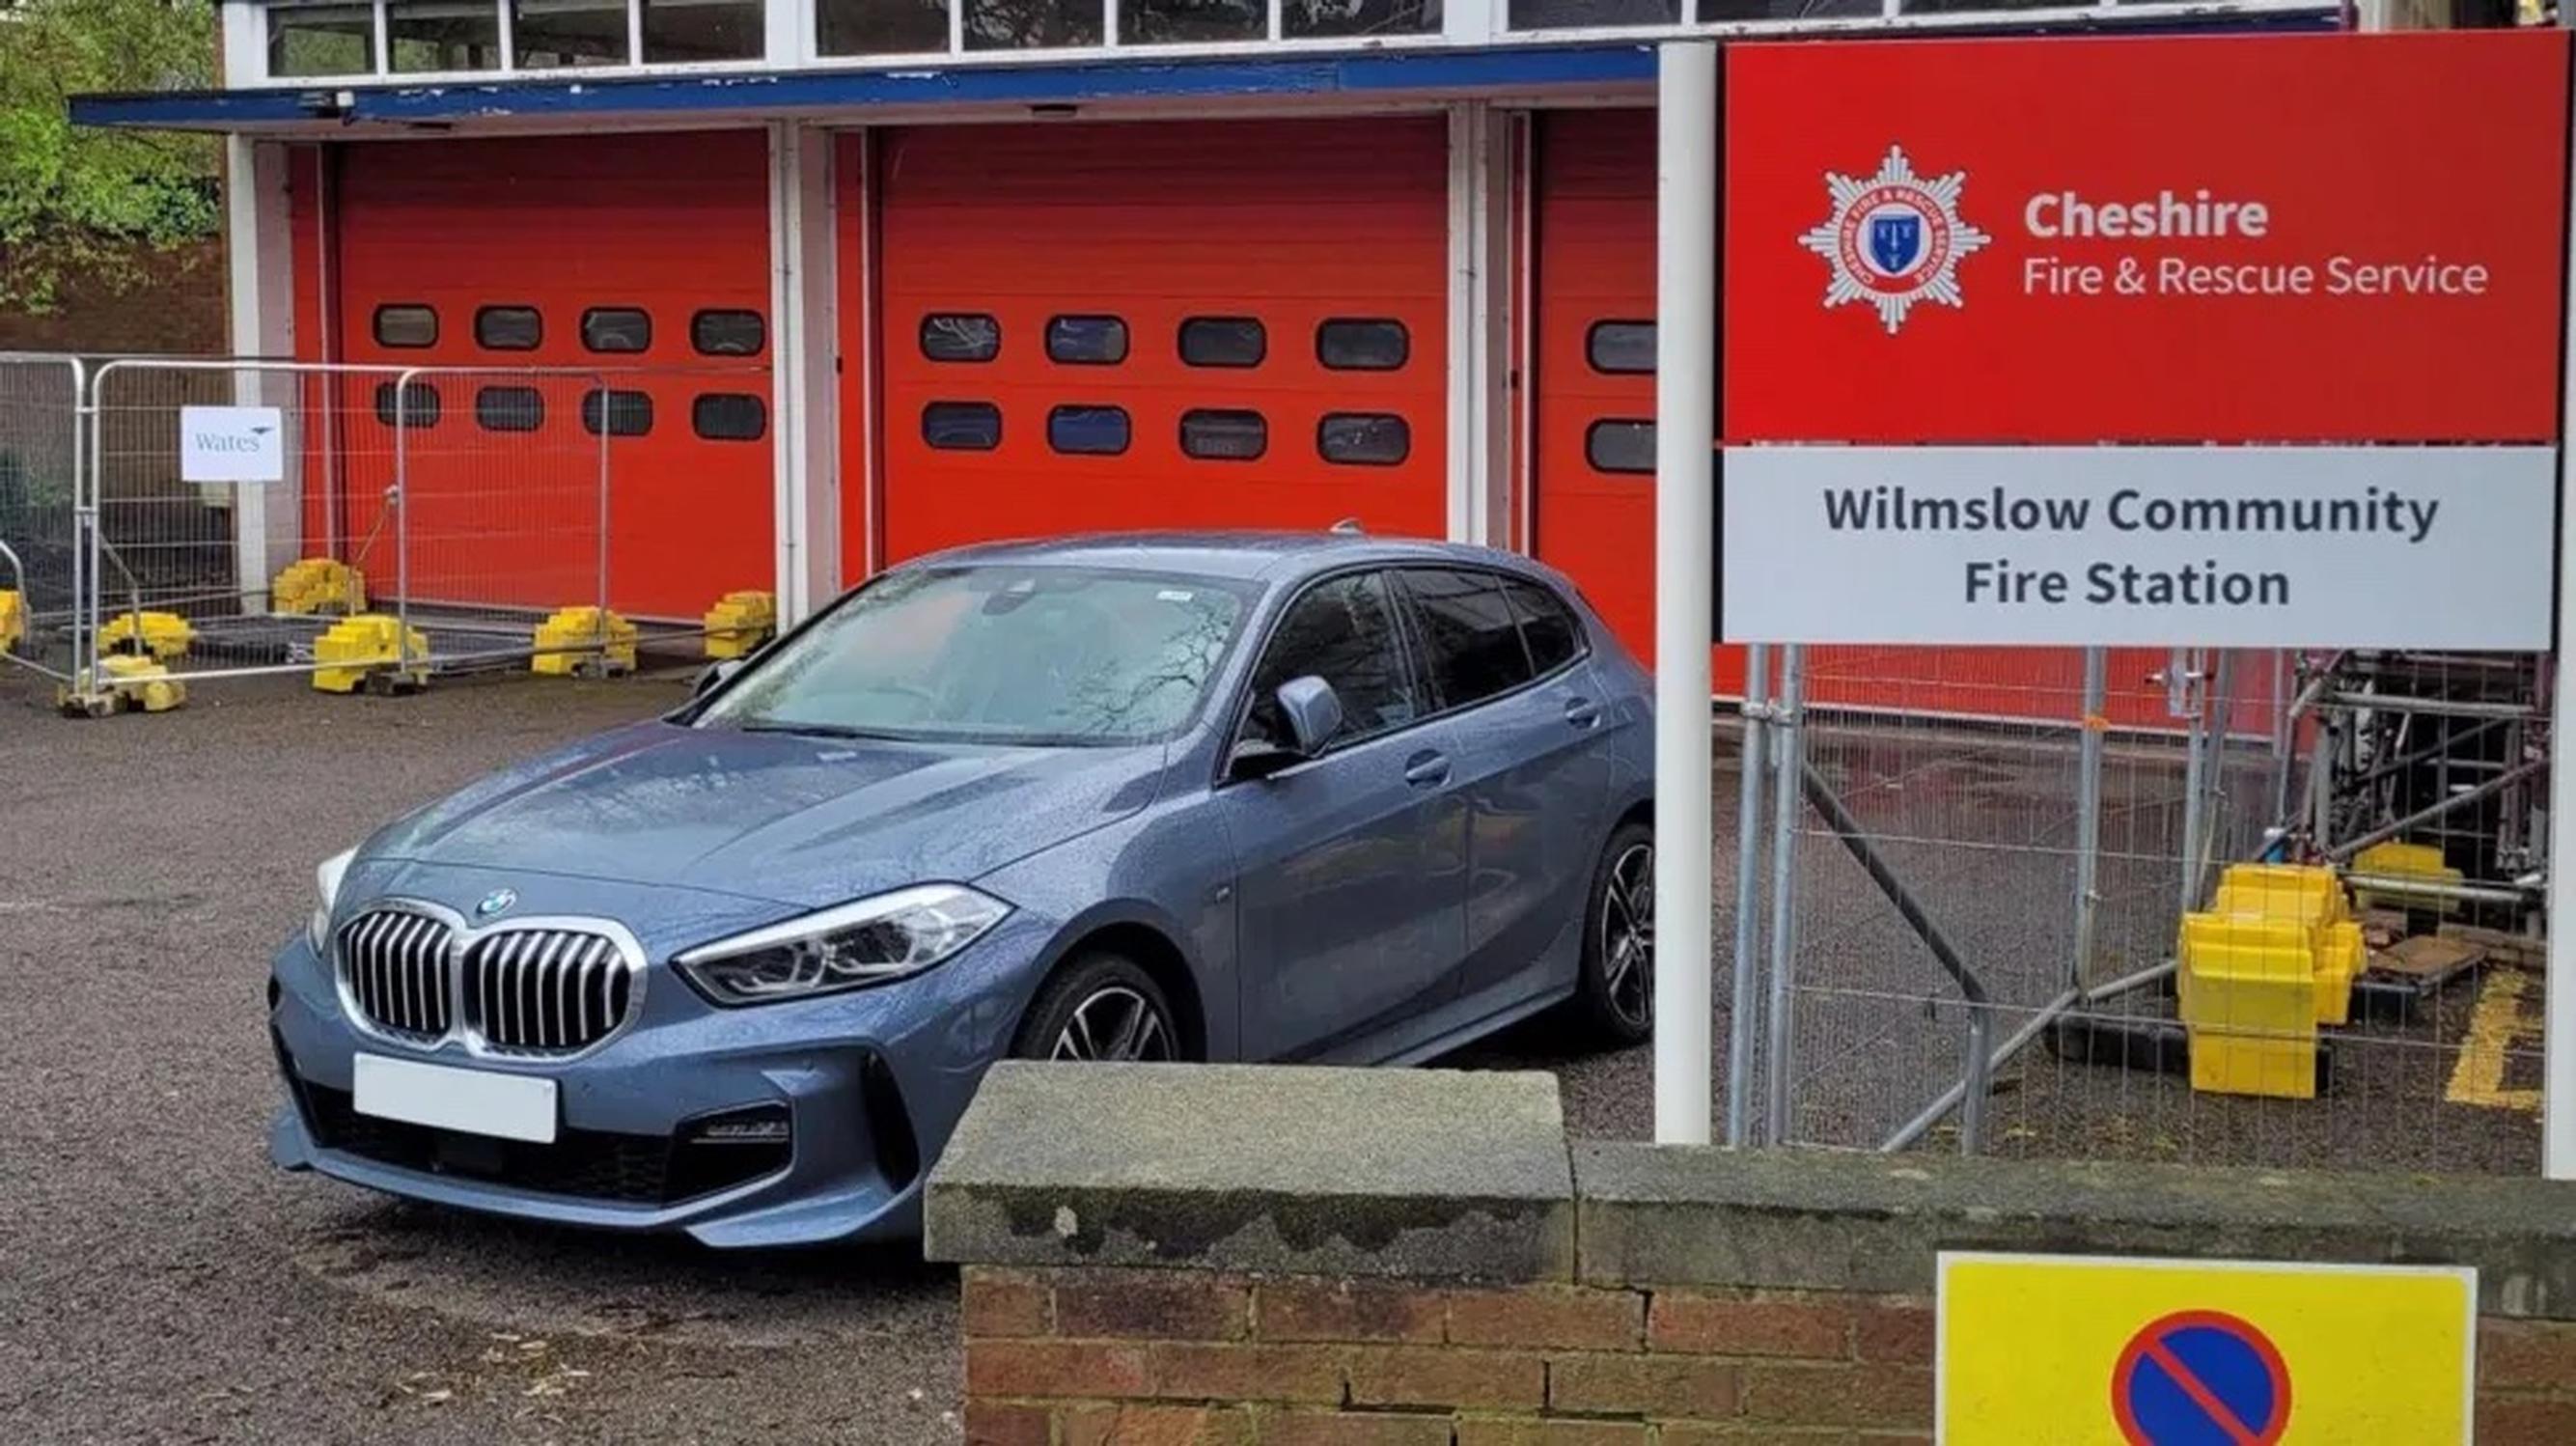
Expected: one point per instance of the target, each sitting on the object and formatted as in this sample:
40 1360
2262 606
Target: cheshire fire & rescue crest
1894 239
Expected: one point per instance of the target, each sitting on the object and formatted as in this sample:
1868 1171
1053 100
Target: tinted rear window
1546 625
1471 640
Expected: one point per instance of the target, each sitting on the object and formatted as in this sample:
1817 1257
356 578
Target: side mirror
713 675
1313 714
1313 711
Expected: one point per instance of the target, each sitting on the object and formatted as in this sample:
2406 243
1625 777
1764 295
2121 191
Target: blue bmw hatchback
737 971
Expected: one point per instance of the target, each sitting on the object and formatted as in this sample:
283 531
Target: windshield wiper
814 730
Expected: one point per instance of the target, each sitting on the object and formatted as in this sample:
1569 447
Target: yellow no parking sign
2134 1352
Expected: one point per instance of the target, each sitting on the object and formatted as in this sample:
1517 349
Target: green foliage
75 203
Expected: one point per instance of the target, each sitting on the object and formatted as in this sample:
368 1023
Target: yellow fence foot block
586 641
123 683
319 585
13 620
740 622
2249 1004
370 649
165 636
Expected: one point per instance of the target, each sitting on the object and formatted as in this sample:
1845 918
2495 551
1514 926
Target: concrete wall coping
1329 1171
1471 1175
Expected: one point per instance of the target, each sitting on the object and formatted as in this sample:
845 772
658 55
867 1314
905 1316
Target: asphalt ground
159 1281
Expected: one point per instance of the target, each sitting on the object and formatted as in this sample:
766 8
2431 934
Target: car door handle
1582 712
1427 769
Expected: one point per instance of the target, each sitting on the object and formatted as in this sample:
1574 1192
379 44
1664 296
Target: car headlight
326 880
846 947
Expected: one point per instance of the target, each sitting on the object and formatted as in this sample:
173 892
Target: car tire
1100 1007
1615 995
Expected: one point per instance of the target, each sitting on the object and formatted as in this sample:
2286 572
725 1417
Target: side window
508 328
1554 638
1341 630
616 329
408 326
1470 640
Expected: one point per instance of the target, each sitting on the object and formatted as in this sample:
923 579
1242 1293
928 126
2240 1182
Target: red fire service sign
2227 238
2335 257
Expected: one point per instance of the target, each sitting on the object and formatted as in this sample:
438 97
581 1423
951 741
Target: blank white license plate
478 1102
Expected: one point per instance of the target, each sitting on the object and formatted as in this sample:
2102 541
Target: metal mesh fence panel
470 505
208 553
40 467
1990 855
505 481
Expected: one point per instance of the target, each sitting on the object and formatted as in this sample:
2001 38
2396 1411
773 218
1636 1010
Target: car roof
1245 556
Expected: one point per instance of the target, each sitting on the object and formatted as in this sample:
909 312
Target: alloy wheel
1114 1023
1628 936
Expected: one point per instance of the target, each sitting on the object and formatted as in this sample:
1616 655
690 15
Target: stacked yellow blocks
740 622
2273 958
355 647
584 640
2398 863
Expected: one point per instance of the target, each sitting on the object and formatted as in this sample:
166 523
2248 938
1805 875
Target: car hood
791 819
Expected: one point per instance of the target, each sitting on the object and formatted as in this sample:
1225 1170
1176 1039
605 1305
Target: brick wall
1082 1356
1090 1357
1160 1255
157 303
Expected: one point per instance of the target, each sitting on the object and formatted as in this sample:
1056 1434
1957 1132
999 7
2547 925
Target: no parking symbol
2135 1351
2200 1378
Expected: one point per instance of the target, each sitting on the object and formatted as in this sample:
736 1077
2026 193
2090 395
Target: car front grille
536 990
395 965
546 991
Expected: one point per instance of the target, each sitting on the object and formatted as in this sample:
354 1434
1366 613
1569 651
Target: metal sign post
2558 1029
1685 579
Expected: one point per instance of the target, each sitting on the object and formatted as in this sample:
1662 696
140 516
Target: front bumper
870 1083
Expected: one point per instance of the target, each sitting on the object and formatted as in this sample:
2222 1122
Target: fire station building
904 274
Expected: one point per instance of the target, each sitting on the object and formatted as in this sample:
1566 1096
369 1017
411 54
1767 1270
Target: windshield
996 654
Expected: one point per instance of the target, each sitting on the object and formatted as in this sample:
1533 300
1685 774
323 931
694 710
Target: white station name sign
2429 547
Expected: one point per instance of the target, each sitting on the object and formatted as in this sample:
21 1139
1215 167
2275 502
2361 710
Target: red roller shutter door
1113 235
1594 188
666 225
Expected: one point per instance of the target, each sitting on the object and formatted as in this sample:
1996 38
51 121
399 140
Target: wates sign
2230 239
